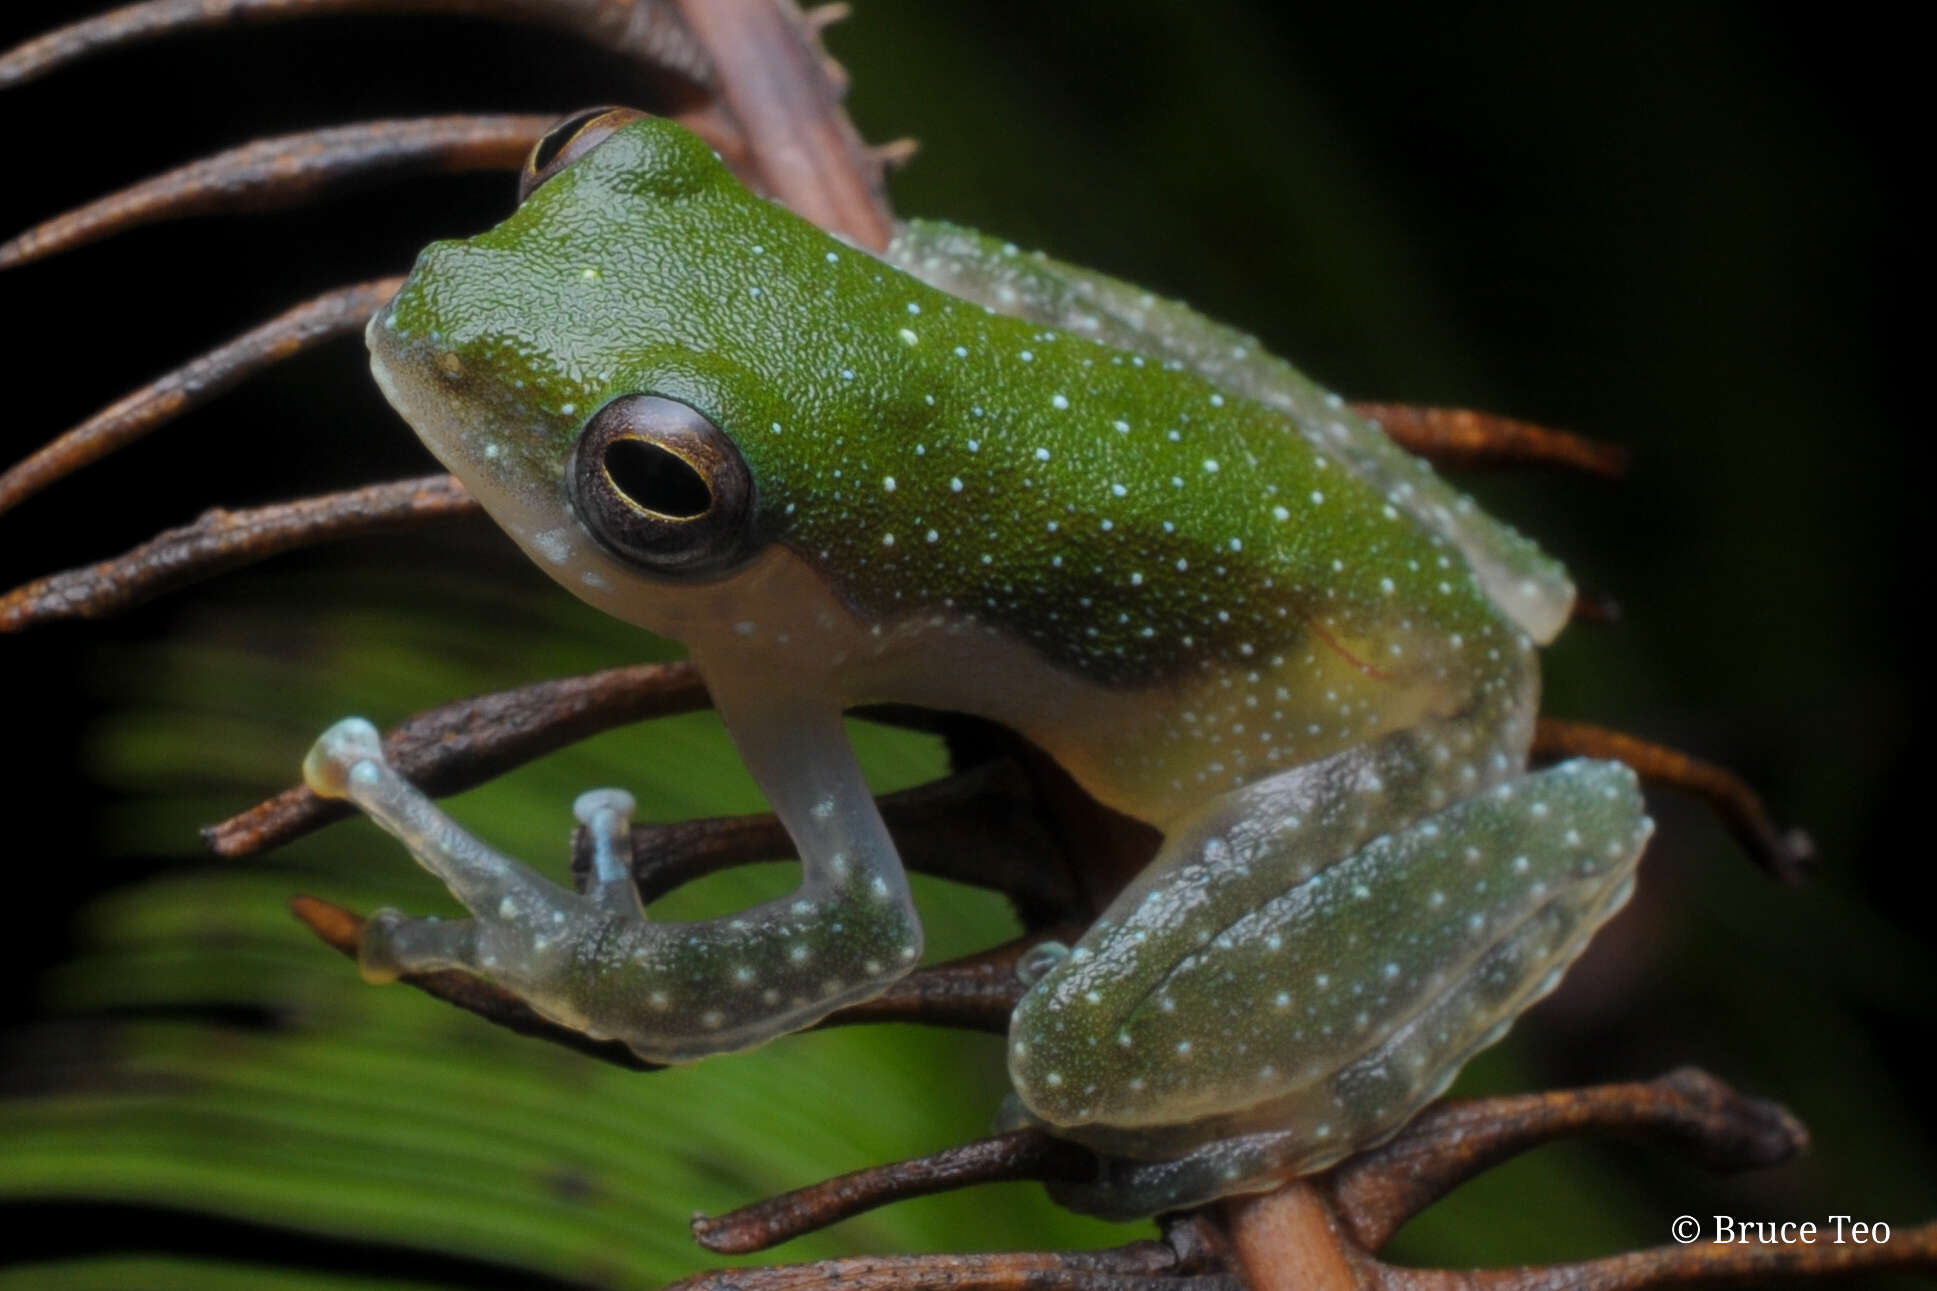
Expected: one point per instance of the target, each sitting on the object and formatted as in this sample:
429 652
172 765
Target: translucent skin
1228 607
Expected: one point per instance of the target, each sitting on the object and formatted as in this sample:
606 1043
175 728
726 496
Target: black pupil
558 138
656 479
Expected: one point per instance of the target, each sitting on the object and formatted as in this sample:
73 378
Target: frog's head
581 368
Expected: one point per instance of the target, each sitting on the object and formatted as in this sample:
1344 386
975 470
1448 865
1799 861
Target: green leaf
367 1114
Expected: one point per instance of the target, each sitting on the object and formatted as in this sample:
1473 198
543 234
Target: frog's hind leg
1214 1033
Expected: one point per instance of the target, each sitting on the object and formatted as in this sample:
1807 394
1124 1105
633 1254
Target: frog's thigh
1282 1034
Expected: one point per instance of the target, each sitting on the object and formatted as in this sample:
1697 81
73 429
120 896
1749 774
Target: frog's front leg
593 961
1251 1010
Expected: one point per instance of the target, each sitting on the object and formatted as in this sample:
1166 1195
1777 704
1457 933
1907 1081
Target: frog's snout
379 335
425 379
418 372
390 363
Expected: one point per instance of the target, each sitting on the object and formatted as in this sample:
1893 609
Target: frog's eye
662 486
569 140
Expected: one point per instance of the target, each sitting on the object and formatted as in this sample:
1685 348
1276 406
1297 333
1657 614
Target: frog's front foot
592 961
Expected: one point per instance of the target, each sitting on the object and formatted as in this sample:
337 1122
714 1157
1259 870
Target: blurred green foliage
211 1054
1666 228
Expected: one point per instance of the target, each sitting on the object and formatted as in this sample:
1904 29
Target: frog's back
1528 584
1227 597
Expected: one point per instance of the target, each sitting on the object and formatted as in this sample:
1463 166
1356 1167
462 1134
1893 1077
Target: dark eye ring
569 140
663 487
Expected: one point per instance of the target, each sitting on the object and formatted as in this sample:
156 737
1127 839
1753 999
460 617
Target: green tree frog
964 478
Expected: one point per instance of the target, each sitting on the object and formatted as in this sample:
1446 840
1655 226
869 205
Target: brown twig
981 826
336 313
974 993
271 174
1784 853
1595 607
645 31
1323 1233
1377 1191
1294 1240
1697 1264
455 746
748 75
784 93
1145 1266
1461 437
1019 1154
222 540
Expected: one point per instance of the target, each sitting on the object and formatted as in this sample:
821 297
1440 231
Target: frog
960 477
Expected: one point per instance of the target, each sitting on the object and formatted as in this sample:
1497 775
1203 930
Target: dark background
1683 230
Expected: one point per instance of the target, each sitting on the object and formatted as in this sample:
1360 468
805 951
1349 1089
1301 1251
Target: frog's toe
395 945
347 762
606 815
337 754
594 805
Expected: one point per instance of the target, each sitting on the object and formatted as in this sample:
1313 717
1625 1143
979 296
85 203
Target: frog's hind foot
591 960
1281 1027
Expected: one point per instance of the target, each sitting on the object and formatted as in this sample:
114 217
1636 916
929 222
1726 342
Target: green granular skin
1123 516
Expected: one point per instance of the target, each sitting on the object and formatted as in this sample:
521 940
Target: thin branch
1145 1266
981 826
974 993
337 313
223 540
1461 437
1377 1191
450 748
749 76
1784 853
1291 1240
1019 1154
1595 607
784 93
1697 1264
288 170
646 31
